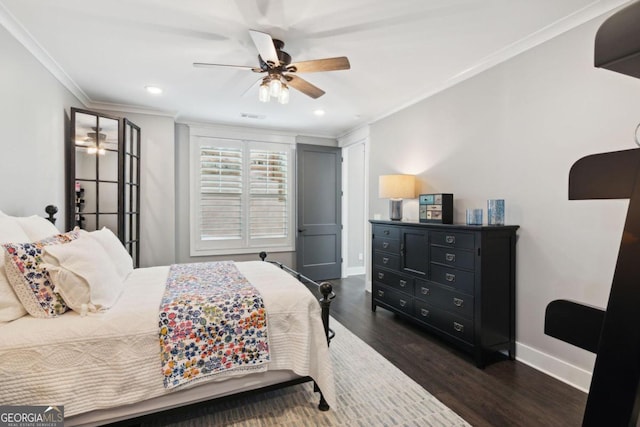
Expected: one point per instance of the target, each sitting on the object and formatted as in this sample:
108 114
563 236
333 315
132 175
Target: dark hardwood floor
506 393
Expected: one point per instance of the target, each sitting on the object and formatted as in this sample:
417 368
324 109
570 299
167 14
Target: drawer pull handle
424 312
425 291
385 260
386 232
380 275
380 293
450 257
402 303
458 302
403 283
385 245
450 277
459 327
450 239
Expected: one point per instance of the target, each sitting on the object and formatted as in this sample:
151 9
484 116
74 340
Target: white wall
157 182
353 183
513 132
34 111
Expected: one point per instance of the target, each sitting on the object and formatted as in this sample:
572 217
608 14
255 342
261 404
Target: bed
104 366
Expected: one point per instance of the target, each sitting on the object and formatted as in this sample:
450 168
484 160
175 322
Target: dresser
456 281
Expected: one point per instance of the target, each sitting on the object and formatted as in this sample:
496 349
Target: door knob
301 230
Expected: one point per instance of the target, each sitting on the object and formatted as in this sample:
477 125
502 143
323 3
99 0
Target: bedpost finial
326 289
51 210
263 255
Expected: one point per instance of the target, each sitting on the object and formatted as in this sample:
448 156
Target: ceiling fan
281 73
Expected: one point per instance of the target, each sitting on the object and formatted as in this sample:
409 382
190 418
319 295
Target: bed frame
208 393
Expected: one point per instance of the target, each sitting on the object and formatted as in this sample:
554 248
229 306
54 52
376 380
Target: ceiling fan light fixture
263 92
283 98
275 87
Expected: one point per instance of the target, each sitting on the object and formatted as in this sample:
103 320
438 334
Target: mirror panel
109 221
89 222
108 133
85 164
89 195
108 166
127 167
108 197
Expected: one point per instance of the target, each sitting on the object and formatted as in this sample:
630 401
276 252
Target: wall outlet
377 216
360 257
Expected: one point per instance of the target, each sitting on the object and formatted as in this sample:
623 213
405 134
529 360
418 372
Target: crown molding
134 109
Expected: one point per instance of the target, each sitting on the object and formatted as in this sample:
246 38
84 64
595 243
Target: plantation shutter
268 193
221 193
241 195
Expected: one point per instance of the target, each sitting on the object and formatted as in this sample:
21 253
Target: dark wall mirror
103 176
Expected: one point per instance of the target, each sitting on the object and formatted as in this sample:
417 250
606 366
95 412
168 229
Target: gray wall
34 108
513 132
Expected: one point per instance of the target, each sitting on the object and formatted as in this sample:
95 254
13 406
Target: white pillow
37 227
116 251
10 306
83 276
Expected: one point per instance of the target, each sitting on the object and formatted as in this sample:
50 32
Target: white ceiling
400 51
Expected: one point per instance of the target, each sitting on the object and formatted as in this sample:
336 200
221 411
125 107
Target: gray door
318 246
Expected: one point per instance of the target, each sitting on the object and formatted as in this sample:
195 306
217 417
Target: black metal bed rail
325 288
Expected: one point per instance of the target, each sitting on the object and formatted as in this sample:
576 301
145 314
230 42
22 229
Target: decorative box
436 208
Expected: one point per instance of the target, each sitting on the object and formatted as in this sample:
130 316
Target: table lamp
395 188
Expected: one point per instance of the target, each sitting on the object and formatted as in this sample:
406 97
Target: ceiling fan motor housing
283 57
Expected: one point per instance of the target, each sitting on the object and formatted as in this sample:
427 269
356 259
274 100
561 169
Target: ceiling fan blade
304 86
244 67
265 46
315 65
252 87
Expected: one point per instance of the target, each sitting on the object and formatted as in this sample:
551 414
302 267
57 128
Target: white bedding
112 359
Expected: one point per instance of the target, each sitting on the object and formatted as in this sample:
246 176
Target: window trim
201 136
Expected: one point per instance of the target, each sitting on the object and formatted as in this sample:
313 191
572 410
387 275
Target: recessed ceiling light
154 90
319 113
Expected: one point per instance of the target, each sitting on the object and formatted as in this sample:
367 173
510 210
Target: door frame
358 136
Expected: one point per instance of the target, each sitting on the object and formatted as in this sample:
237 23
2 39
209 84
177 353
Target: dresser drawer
396 299
385 231
452 257
458 279
386 245
396 281
442 297
452 239
453 325
382 259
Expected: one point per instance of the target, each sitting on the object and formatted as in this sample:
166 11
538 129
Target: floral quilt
212 322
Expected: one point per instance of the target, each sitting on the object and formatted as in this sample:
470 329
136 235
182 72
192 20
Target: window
242 198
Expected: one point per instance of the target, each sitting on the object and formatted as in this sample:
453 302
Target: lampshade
396 187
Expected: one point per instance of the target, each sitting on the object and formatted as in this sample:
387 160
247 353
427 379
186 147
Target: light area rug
370 392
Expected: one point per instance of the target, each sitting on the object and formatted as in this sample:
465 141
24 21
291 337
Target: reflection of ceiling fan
96 139
281 73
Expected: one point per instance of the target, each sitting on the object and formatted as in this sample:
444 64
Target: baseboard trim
354 271
554 367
